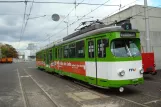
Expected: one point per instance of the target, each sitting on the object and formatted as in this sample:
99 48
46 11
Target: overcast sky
38 29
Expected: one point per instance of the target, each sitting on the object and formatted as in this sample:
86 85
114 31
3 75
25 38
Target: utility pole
147 27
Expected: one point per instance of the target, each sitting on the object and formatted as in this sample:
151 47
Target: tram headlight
122 73
141 71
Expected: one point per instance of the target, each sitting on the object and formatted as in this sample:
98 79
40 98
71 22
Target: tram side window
60 52
80 49
72 49
37 56
44 57
55 52
66 49
91 49
50 55
101 44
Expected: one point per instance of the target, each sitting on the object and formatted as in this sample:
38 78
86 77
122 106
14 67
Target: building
21 56
135 15
32 55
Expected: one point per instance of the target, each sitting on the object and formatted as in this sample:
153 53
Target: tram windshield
125 48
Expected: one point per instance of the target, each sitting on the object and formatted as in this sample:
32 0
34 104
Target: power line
123 7
119 10
138 14
75 3
151 16
51 14
23 23
15 14
80 18
92 11
86 15
66 17
48 2
147 10
26 22
12 1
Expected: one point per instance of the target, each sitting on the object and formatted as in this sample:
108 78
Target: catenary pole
147 26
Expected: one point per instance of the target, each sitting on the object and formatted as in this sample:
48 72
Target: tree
8 51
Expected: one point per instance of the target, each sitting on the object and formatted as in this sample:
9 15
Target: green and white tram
107 57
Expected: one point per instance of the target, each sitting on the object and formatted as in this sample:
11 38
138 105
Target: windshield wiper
128 50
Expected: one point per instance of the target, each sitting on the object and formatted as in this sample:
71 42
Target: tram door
91 65
44 57
47 58
96 54
50 56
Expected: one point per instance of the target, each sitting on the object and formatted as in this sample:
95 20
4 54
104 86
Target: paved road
22 85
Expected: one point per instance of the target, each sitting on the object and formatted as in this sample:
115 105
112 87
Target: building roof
128 8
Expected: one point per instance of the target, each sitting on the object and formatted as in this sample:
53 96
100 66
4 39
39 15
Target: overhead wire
122 7
85 16
65 18
12 1
138 14
51 2
147 10
26 23
79 18
92 11
24 17
118 10
23 28
74 3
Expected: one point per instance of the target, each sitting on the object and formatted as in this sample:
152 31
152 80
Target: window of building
91 49
80 53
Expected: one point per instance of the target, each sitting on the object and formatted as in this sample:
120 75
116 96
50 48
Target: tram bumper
122 83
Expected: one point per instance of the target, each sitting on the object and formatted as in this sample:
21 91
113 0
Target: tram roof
94 32
87 34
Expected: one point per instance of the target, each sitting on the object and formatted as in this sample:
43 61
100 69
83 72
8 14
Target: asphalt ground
23 85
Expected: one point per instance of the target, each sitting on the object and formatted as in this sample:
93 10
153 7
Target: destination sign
127 34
